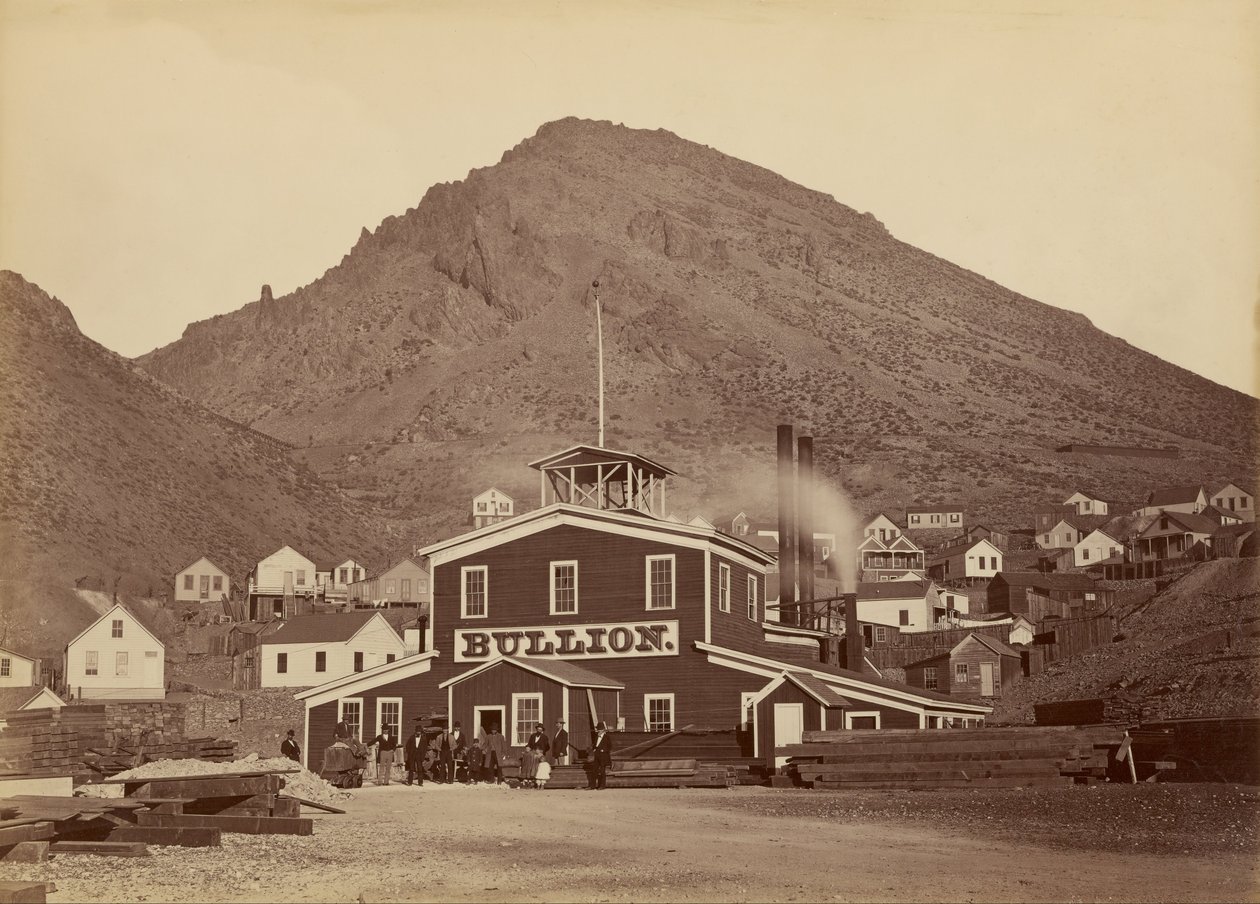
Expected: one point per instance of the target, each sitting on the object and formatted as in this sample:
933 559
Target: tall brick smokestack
787 553
805 522
854 649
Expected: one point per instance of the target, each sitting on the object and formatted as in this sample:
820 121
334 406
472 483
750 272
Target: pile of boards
899 759
681 773
103 762
188 811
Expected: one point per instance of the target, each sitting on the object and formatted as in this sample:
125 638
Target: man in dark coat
290 748
560 745
386 743
450 747
413 756
601 751
496 752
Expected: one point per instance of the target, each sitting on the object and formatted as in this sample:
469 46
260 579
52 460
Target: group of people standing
482 759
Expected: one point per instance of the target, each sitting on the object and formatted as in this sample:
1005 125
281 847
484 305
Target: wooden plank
185 778
101 848
205 787
317 806
248 825
36 831
22 892
169 835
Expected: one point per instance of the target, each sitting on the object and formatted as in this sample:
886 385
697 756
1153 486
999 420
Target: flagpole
599 339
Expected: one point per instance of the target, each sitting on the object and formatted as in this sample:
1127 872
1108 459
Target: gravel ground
443 843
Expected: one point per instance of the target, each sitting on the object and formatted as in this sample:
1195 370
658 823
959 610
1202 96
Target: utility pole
599 340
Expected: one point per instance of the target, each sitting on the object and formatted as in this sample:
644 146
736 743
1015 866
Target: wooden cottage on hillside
283 585
1038 595
405 583
978 667
202 582
1230 497
17 670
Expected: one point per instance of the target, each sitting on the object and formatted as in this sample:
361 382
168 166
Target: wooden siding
416 692
972 653
375 641
202 568
495 687
379 587
735 629
788 692
22 671
269 573
140 682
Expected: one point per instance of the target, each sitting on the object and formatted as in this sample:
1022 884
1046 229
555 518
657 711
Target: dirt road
745 844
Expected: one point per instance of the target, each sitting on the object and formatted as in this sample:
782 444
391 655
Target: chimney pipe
854 648
787 553
805 522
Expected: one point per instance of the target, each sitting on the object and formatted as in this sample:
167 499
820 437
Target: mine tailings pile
909 759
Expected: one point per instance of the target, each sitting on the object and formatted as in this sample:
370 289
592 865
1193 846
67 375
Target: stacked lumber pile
212 750
33 826
1119 708
245 802
958 758
682 773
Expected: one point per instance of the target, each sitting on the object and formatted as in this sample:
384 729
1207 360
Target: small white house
1235 500
1094 548
17 670
18 699
908 605
202 581
1087 503
883 527
281 578
116 658
1064 535
491 507
980 559
340 578
313 649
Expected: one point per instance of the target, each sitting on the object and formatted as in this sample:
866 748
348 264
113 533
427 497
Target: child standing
476 760
541 775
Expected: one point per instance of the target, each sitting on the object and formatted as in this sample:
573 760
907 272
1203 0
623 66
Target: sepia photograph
678 450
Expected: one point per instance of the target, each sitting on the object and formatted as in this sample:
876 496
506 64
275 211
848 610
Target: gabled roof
904 542
335 628
1216 486
892 590
957 548
1089 494
401 562
1197 524
118 607
1050 581
557 670
875 517
14 698
354 682
810 684
583 454
16 654
1174 495
1216 514
493 490
992 643
920 508
1098 530
205 559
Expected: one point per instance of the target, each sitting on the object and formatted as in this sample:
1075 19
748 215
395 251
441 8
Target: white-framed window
864 719
1085 555
929 678
746 708
881 634
752 597
564 588
116 628
350 711
658 712
960 672
724 587
343 574
527 711
474 590
954 519
481 506
391 586
6 667
122 663
91 662
389 712
188 582
660 582
301 577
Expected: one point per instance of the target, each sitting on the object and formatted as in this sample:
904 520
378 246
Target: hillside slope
110 480
1171 661
460 336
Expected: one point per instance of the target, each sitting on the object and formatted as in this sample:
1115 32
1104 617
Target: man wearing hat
560 745
601 750
290 748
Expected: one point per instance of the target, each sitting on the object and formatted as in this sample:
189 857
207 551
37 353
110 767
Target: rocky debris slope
1193 649
303 783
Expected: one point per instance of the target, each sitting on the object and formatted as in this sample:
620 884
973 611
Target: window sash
116 628
6 667
91 662
282 663
527 711
658 712
929 679
188 582
724 587
389 712
321 661
474 591
660 582
752 597
350 711
564 588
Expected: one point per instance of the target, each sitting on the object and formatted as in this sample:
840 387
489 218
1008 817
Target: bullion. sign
624 639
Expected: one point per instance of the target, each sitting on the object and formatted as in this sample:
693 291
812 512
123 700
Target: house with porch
906 605
891 559
883 527
337 583
405 583
283 585
1175 535
1189 500
491 507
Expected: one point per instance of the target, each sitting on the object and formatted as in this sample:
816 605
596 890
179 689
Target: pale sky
159 162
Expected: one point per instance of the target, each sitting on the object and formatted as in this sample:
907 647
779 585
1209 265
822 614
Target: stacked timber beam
245 802
681 773
957 758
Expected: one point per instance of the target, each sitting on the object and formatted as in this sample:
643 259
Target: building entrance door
486 716
986 679
789 723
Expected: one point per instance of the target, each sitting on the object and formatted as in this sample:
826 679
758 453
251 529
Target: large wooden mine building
596 607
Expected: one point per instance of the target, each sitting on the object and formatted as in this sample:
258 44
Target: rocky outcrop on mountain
731 298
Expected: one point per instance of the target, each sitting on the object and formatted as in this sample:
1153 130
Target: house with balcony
889 560
906 605
336 585
283 585
405 583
